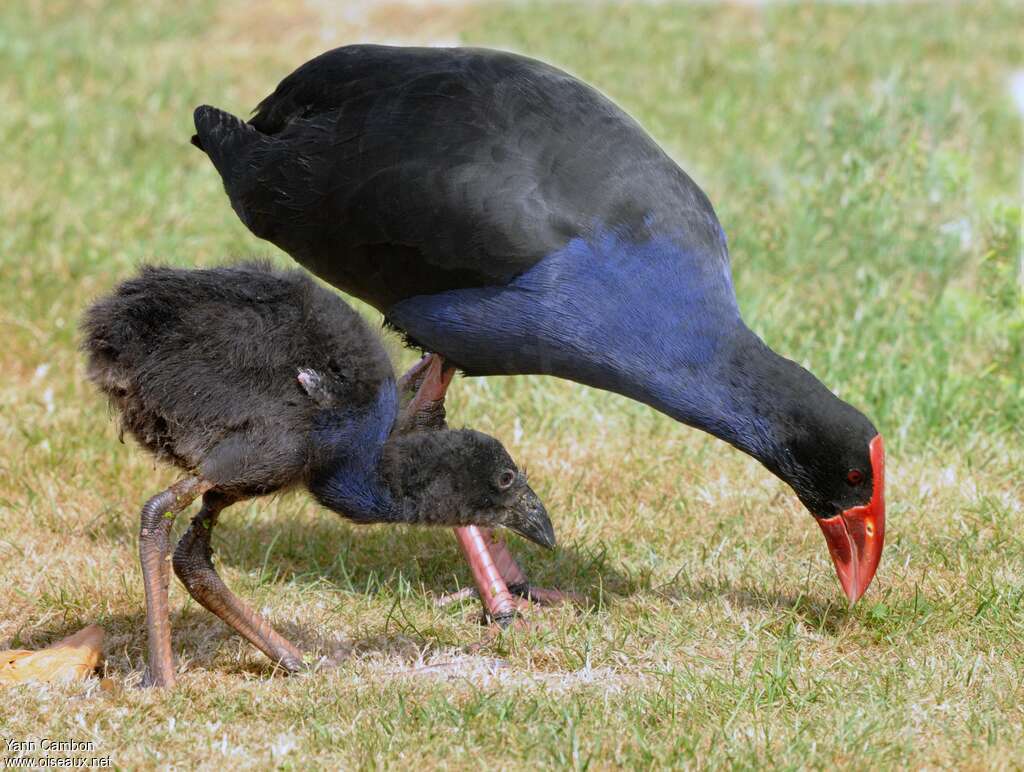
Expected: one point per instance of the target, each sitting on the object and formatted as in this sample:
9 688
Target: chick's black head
463 477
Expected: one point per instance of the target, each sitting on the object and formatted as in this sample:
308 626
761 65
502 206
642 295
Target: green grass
864 161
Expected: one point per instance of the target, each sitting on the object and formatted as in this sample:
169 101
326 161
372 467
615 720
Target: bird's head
464 477
833 458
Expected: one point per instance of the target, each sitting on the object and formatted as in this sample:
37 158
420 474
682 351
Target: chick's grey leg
157 517
194 567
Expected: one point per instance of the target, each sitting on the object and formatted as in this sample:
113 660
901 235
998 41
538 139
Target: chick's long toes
545 597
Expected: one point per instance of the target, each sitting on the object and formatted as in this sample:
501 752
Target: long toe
526 597
545 597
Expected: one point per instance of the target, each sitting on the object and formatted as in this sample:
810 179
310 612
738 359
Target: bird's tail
225 138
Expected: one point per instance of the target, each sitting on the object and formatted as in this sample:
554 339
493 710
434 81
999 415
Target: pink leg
498 603
507 566
425 410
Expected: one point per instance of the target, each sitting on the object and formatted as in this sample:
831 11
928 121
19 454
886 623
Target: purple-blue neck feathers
350 442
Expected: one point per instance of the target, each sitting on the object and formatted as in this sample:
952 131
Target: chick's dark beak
530 520
855 537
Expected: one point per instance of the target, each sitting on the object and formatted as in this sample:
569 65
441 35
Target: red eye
506 479
855 477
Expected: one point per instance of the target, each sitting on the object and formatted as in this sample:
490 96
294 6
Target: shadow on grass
386 558
326 552
394 560
203 642
824 616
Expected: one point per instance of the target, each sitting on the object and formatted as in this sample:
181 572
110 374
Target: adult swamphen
512 219
253 381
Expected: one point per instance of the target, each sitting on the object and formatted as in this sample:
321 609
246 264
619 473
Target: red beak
855 537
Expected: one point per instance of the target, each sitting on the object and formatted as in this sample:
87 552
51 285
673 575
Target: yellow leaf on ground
68 659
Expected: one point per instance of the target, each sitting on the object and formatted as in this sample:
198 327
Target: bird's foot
545 597
497 628
526 595
522 621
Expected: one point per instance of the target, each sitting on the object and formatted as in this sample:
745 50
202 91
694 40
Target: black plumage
253 380
434 169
